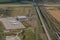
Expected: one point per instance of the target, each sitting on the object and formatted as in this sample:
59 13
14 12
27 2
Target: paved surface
11 23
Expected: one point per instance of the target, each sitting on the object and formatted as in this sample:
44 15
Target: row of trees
5 12
20 0
50 0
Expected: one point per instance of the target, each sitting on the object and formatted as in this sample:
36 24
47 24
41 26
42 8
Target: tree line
20 0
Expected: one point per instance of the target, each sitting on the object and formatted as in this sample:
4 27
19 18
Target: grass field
30 34
2 37
15 11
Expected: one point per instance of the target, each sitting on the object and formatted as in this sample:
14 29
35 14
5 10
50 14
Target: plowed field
55 13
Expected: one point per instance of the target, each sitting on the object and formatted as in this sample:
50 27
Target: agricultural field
15 11
54 16
55 12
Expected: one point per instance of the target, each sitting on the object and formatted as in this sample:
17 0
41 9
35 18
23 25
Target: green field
29 35
7 11
2 37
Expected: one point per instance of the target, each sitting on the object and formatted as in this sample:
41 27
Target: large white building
12 24
22 18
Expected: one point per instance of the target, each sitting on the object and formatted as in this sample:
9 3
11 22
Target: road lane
43 23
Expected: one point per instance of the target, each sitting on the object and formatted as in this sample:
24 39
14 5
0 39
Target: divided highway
42 20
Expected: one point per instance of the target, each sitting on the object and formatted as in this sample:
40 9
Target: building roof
12 23
21 17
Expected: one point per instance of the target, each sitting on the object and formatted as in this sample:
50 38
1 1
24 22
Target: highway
43 23
42 20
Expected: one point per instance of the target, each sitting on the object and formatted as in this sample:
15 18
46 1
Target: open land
17 11
13 11
31 25
55 12
54 16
